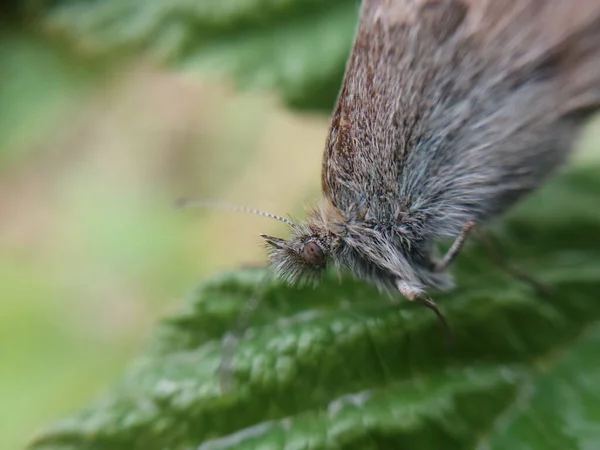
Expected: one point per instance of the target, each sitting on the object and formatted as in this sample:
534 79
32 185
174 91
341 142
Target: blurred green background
93 151
92 250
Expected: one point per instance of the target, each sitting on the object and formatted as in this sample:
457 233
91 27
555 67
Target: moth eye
312 253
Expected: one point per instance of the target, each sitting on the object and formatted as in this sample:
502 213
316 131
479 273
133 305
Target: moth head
300 259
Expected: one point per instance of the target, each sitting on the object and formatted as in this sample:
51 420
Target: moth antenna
232 338
194 203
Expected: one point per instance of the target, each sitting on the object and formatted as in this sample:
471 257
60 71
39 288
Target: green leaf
341 367
297 47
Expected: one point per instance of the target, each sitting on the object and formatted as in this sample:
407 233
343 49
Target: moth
450 111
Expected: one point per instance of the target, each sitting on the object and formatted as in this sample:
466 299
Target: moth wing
415 60
372 127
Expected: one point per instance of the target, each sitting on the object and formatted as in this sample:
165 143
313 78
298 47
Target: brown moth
450 111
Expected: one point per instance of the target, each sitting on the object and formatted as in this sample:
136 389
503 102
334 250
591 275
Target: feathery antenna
194 203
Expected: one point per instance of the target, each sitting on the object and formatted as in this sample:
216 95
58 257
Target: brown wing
414 61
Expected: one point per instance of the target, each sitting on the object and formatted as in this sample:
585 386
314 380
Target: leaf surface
295 47
341 367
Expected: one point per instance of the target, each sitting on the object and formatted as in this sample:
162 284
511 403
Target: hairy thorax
382 250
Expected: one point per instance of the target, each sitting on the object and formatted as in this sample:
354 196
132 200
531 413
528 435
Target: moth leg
414 294
452 253
411 293
515 272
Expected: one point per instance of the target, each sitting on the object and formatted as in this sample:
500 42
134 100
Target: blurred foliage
296 47
62 236
92 156
339 367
